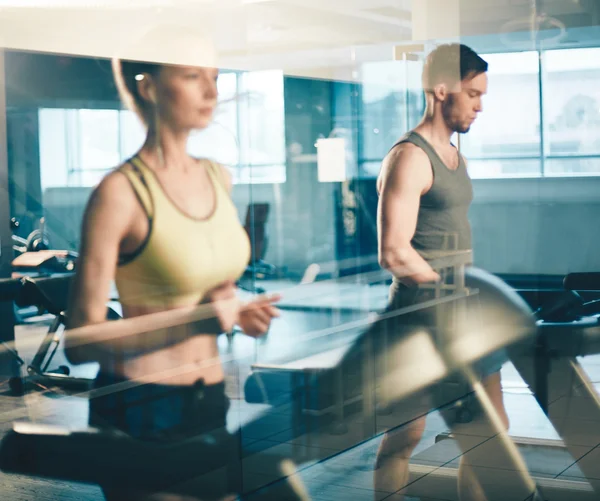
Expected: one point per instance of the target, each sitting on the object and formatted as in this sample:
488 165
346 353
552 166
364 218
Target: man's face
463 103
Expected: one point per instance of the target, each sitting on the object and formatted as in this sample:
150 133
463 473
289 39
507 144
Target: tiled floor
339 466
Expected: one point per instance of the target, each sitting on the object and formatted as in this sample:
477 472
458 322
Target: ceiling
318 38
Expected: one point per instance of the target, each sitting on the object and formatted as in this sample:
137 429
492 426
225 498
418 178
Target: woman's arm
255 317
106 222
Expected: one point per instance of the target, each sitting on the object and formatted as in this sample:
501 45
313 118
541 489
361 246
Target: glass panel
53 150
572 104
132 133
505 167
331 106
572 166
261 109
97 139
219 141
392 102
509 125
371 169
262 94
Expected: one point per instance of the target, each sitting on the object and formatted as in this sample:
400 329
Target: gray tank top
442 222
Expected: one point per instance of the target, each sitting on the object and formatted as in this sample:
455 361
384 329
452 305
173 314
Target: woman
164 228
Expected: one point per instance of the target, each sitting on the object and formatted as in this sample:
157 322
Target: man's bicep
398 214
400 199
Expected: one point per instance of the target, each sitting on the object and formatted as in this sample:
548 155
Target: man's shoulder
407 154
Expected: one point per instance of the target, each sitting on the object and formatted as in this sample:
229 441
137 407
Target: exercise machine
48 294
449 353
567 327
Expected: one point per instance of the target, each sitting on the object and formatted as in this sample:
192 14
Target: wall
44 80
24 165
49 80
302 215
541 226
547 226
301 225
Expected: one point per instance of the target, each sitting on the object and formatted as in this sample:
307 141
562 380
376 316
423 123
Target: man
425 193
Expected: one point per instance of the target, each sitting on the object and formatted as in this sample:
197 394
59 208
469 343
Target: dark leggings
198 457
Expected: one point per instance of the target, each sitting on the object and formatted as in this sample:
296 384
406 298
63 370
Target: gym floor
346 476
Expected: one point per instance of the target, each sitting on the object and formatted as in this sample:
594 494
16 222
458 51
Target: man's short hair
451 64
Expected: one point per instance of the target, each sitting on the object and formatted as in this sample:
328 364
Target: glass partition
369 354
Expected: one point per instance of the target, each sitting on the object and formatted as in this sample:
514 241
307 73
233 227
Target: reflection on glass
262 136
503 167
219 140
509 126
297 223
98 139
572 115
572 166
79 146
392 103
250 104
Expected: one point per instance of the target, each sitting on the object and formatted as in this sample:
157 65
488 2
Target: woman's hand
255 317
225 304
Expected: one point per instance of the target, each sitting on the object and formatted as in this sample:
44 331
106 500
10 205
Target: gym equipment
200 464
33 255
44 262
506 322
255 226
36 241
566 328
556 374
49 294
463 351
269 382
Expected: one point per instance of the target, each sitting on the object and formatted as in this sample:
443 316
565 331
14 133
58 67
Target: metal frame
7 328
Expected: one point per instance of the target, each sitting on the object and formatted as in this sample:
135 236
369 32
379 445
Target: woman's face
186 96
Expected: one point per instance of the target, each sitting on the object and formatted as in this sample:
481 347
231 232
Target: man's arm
405 175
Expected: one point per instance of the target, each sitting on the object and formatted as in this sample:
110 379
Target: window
514 136
392 103
505 139
262 138
79 146
572 111
219 140
248 133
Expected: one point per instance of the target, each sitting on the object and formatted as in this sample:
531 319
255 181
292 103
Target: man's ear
440 91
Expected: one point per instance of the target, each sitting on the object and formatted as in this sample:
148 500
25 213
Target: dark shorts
436 318
157 412
197 456
184 420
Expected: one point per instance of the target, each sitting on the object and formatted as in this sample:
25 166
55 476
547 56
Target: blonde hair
155 49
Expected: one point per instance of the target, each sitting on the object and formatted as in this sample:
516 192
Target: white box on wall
331 160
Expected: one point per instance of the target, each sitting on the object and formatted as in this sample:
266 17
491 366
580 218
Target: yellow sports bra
182 257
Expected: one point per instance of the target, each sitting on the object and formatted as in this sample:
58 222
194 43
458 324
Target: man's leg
468 486
393 456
